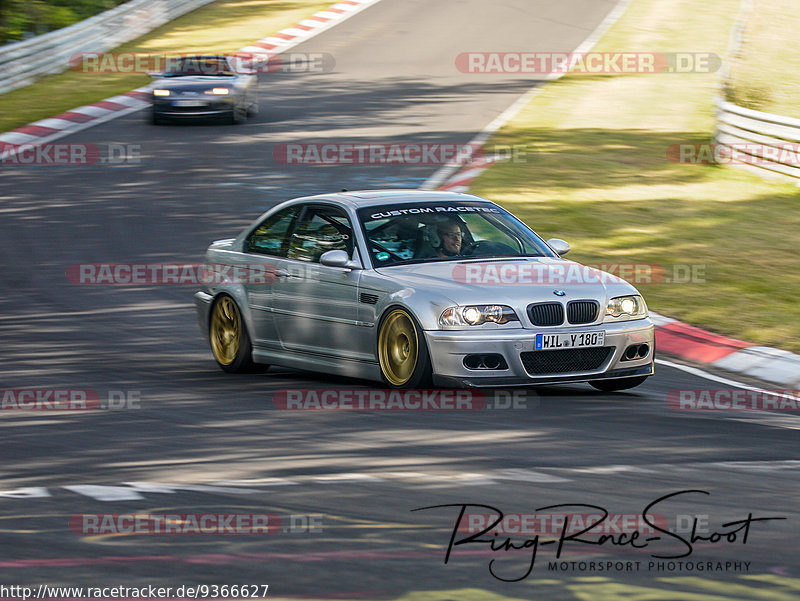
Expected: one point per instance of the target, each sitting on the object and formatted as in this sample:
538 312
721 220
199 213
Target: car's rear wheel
402 352
618 383
230 342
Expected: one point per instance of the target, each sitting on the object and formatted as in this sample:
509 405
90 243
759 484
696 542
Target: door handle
283 273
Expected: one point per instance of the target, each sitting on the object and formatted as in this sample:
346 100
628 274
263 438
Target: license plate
548 342
189 103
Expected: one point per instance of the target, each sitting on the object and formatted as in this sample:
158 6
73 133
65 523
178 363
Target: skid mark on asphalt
331 529
692 588
135 491
606 589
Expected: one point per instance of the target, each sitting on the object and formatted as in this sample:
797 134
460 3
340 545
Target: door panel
316 307
316 310
266 246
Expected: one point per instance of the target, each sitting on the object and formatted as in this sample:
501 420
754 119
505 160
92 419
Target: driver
451 238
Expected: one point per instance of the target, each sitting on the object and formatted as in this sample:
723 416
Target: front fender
205 299
425 307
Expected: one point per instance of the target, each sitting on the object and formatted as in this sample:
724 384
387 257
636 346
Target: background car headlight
218 91
475 315
622 308
160 92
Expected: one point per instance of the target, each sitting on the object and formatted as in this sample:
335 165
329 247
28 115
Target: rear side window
270 237
320 229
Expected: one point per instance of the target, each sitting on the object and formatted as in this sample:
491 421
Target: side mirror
155 74
338 258
558 245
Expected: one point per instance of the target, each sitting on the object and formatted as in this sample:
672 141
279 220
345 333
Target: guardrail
21 63
755 138
759 139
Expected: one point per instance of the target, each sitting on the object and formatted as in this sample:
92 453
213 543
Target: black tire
403 356
618 383
230 341
155 119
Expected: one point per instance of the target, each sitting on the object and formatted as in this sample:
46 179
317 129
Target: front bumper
209 108
449 348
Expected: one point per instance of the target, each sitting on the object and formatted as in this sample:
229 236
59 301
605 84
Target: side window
269 238
321 229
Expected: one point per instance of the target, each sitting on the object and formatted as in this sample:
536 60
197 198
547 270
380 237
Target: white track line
767 418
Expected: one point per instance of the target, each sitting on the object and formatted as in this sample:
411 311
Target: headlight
476 315
160 92
623 308
218 91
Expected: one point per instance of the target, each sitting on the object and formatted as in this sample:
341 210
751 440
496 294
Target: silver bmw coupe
415 289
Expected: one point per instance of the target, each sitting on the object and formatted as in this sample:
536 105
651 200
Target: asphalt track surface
217 444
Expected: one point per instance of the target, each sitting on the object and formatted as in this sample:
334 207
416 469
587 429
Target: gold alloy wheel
398 347
225 331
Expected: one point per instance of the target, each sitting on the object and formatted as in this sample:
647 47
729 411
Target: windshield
198 65
446 231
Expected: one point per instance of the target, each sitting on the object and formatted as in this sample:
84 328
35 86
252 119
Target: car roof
370 198
358 199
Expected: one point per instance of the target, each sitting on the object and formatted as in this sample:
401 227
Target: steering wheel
489 247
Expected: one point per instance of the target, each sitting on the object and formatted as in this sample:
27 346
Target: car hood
194 83
514 282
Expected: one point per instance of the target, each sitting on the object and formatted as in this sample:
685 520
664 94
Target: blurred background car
195 87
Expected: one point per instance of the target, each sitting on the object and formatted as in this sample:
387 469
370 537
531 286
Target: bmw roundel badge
559 292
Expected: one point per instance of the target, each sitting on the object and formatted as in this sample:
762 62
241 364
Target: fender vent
369 299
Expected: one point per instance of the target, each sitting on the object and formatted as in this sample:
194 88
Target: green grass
600 179
766 73
222 26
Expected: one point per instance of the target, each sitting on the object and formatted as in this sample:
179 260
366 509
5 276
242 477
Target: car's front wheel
230 342
402 352
618 383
